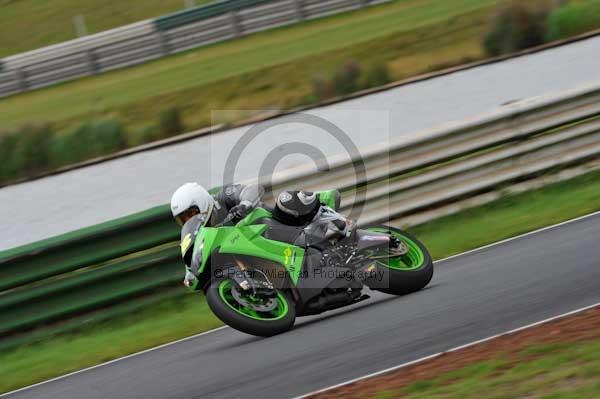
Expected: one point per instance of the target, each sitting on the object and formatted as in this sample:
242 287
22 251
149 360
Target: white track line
348 382
114 361
457 348
520 236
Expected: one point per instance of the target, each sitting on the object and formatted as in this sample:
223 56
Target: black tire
402 282
246 324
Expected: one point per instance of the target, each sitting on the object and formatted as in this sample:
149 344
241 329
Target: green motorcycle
260 274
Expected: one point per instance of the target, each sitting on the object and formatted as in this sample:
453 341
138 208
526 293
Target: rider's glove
189 279
241 210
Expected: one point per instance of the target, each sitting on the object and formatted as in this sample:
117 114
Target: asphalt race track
472 296
102 192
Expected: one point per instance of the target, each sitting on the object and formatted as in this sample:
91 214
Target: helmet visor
193 212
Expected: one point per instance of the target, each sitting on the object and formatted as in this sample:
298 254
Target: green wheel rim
414 259
279 312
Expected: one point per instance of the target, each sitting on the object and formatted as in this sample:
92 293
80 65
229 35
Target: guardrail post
163 42
298 5
92 61
363 3
22 80
235 24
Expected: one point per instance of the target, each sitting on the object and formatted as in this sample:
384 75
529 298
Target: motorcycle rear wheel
404 274
228 309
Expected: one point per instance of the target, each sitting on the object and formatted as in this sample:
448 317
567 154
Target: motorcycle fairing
247 239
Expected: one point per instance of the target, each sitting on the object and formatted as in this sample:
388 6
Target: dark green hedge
34 149
89 140
573 19
517 25
25 152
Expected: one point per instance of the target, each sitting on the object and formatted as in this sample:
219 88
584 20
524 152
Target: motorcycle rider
231 204
233 201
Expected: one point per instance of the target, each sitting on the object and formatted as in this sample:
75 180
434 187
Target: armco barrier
147 40
90 289
100 266
87 247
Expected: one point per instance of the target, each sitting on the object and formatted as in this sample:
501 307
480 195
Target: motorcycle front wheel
403 274
255 316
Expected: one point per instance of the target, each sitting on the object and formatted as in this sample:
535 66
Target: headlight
197 258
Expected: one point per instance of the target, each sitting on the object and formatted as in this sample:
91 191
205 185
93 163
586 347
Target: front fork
252 281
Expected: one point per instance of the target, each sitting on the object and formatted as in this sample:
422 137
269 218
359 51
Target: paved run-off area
104 191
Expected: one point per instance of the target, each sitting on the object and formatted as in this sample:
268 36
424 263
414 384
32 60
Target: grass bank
271 70
266 70
555 360
511 215
186 315
553 371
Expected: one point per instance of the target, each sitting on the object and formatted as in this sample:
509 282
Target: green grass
269 69
50 22
573 18
172 319
511 215
186 315
568 370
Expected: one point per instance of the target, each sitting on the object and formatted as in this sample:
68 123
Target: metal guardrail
433 168
506 142
100 244
151 39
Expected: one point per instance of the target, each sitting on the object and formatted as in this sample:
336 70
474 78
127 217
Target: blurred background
42 130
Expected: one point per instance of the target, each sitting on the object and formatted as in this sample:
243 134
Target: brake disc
267 306
402 249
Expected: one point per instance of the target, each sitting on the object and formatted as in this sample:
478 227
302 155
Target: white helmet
189 200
